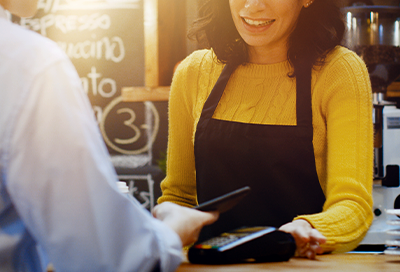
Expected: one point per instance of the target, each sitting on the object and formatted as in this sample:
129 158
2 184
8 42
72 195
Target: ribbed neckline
252 70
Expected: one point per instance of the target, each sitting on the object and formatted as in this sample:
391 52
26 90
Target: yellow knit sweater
264 94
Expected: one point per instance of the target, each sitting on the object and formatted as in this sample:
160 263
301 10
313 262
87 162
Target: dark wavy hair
319 29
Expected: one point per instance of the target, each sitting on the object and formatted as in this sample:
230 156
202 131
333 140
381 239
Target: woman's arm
346 105
179 186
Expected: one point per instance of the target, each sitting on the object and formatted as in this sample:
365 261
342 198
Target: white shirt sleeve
63 185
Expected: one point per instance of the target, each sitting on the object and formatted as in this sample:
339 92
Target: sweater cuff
334 242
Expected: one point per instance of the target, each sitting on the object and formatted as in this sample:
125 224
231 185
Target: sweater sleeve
179 186
346 104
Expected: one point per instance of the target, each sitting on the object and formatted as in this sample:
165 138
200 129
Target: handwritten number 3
151 127
129 123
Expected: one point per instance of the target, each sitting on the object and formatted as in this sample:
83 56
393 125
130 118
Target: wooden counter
330 262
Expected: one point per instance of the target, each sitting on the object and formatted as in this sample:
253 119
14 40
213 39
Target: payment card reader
247 244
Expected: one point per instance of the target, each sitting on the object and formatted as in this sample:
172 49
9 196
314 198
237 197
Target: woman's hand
186 222
308 239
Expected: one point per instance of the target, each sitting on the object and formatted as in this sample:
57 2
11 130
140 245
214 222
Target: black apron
277 162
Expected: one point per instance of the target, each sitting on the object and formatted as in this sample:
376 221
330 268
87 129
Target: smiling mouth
258 22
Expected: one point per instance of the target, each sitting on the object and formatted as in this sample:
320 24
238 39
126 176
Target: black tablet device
224 202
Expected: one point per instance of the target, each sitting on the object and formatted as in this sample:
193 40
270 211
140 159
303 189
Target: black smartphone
224 202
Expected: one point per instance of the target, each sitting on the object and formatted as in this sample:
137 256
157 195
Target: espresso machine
373 32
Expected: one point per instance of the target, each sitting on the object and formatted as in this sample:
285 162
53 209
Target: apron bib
276 161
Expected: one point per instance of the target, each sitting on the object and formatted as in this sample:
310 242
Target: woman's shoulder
200 65
343 72
342 63
195 76
203 55
341 55
200 60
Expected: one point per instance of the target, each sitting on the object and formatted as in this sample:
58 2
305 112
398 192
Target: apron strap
215 95
303 97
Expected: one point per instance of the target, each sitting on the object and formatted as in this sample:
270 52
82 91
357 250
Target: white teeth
258 23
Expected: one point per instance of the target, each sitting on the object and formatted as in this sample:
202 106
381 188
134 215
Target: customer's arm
63 185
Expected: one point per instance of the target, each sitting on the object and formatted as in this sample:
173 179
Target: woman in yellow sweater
279 105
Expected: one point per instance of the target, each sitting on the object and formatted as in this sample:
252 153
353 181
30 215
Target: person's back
58 193
24 55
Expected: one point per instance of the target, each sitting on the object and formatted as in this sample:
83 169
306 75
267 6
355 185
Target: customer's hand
308 239
186 222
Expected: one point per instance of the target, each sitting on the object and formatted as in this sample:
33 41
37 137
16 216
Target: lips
257 23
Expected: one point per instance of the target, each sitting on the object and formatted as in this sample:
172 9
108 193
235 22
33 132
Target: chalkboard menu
105 41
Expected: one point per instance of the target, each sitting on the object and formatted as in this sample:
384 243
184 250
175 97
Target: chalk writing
109 49
142 188
67 23
150 126
93 77
98 113
56 5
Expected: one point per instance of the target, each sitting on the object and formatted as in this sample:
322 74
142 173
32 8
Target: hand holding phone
224 202
186 222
